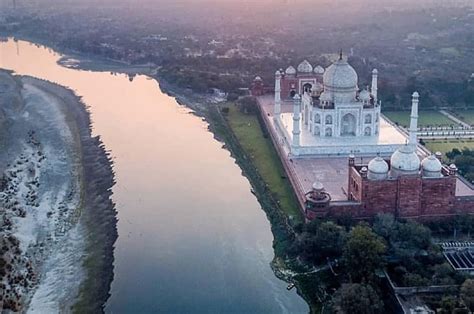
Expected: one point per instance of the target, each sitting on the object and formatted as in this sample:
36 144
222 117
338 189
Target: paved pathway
450 116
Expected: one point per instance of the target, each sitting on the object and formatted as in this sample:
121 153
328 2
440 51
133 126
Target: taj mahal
322 112
343 157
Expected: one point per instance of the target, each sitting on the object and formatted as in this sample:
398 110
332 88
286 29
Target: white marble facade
341 110
336 117
341 120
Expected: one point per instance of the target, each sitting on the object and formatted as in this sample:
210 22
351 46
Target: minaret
296 120
375 74
414 120
277 108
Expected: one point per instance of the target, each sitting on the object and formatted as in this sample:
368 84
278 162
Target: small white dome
318 186
325 97
378 165
319 70
290 70
305 67
405 160
317 88
364 95
431 164
258 78
340 75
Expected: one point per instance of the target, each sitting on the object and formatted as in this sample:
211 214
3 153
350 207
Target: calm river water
192 238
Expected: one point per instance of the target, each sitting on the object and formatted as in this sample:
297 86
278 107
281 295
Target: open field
246 128
426 118
444 146
465 115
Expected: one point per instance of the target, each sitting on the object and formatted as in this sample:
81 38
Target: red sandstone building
427 193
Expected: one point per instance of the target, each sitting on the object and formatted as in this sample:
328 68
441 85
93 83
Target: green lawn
466 116
426 118
446 146
260 149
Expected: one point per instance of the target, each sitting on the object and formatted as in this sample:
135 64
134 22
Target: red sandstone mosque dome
340 76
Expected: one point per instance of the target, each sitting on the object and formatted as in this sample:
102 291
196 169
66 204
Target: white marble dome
364 95
340 76
431 166
305 67
319 70
378 169
378 165
317 88
318 186
290 70
405 160
258 79
325 97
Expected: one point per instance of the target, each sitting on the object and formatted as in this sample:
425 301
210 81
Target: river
192 237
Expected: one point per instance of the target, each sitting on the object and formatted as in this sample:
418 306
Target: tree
448 304
322 240
411 236
405 239
247 104
467 294
453 154
384 225
357 298
363 253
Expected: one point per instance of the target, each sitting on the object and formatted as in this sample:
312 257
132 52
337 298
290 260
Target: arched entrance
307 87
317 131
348 125
367 131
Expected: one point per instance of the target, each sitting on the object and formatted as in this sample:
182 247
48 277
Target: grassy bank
259 148
426 118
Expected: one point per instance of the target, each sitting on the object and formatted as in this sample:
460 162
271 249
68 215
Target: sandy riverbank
59 222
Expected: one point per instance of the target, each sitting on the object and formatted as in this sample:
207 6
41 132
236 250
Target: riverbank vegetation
362 254
259 148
